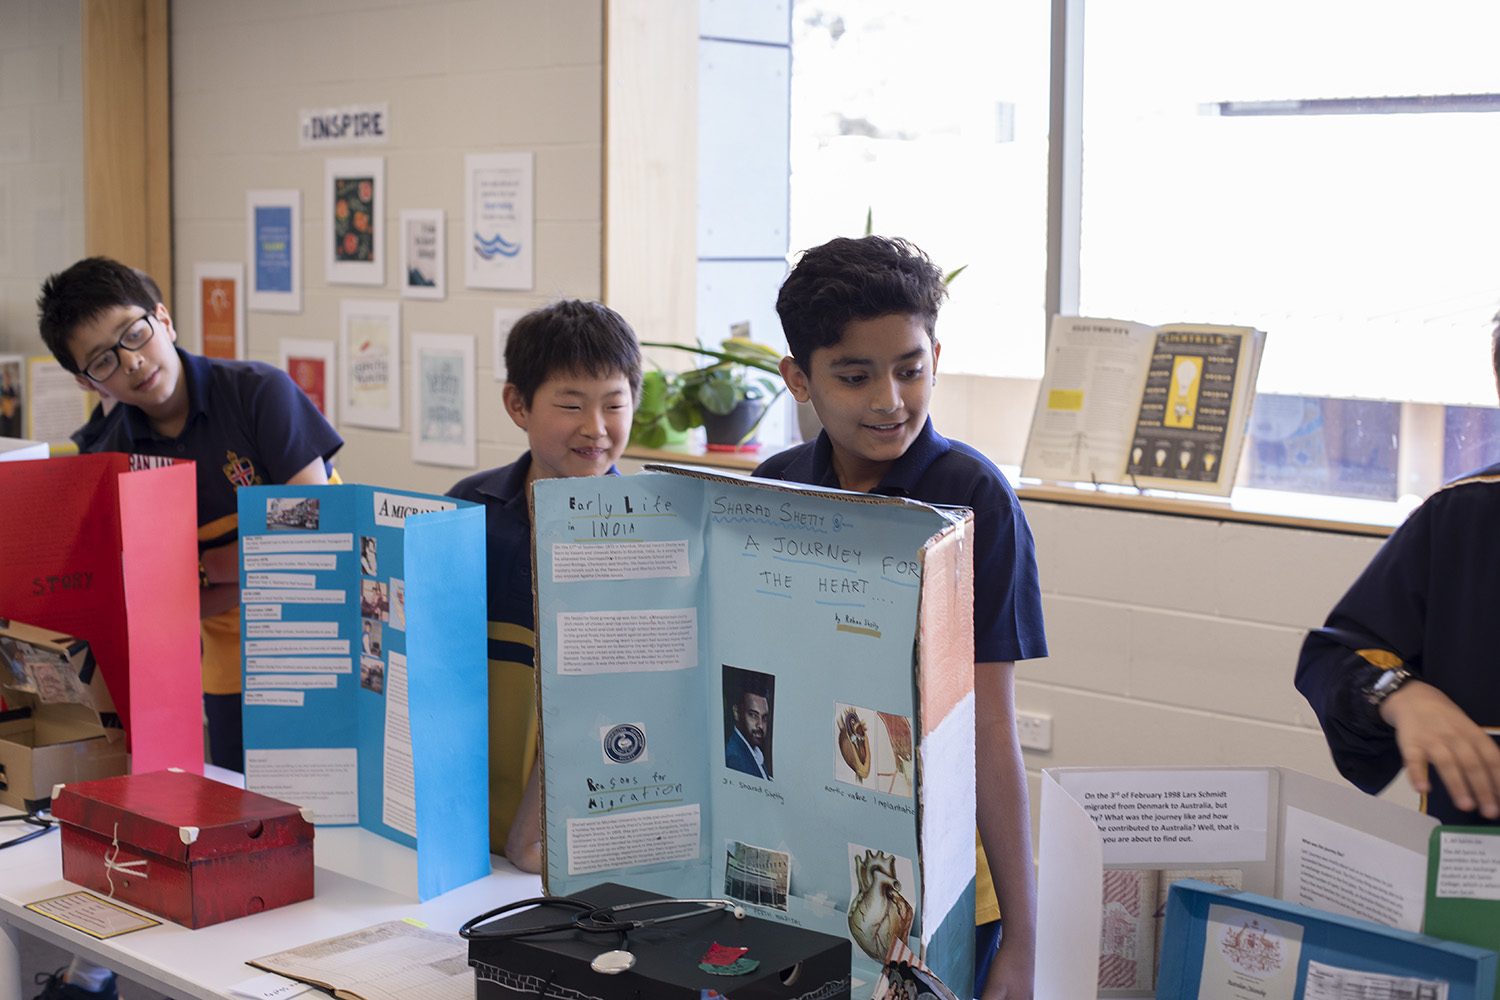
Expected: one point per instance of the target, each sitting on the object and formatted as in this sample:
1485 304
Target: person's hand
1010 974
1431 729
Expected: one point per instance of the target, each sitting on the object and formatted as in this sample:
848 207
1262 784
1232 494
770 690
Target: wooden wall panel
126 134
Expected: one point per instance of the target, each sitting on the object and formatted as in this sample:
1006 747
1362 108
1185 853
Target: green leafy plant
674 402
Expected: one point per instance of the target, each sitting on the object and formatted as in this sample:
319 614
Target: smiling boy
242 423
572 380
860 319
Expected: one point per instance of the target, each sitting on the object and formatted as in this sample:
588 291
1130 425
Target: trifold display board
363 631
95 548
1114 840
1223 944
1463 886
754 690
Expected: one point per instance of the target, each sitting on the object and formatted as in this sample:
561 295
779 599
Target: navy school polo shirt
248 425
1427 596
1007 597
507 537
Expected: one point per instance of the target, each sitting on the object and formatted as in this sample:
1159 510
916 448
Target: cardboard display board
364 641
1223 944
110 555
1463 886
685 620
1114 841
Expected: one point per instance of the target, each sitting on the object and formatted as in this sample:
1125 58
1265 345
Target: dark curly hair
849 279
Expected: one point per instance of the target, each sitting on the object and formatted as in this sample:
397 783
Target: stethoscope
591 919
30 819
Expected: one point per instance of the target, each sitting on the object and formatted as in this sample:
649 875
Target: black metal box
795 963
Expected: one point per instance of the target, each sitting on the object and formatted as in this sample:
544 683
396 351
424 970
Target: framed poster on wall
273 224
423 254
371 391
442 400
354 228
312 365
499 222
219 293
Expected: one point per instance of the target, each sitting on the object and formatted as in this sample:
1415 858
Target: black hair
571 337
148 284
82 293
850 279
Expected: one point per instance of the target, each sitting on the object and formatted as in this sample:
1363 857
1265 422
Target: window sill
1308 511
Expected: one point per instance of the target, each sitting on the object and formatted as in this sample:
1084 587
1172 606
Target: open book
390 961
1161 407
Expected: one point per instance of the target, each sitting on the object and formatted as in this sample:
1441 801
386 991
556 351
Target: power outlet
1034 730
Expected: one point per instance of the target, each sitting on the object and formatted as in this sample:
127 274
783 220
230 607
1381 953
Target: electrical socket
1034 730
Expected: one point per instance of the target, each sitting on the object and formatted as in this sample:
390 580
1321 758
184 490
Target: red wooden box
184 847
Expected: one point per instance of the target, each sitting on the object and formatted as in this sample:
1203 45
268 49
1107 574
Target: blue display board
744 693
1221 943
364 666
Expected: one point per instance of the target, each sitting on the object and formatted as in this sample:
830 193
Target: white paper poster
1175 817
500 227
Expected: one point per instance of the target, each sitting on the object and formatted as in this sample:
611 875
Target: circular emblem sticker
624 743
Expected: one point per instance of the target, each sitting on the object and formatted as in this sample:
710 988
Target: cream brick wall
459 77
41 158
1173 640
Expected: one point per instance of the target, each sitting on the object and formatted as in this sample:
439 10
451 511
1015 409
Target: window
932 117
1322 171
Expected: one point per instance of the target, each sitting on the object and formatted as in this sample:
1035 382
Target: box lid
53 675
181 816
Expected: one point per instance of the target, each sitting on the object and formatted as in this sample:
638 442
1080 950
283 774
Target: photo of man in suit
747 740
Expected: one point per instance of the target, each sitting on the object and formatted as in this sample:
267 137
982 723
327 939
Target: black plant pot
724 432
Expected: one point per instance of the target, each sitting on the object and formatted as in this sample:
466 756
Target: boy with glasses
244 423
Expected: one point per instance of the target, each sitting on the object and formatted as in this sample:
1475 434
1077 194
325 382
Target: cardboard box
52 731
1220 942
185 847
1268 830
794 962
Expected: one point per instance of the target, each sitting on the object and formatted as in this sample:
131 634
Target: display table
361 879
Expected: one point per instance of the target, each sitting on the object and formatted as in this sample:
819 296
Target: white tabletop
360 879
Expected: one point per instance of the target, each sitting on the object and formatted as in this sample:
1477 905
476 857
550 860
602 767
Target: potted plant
727 398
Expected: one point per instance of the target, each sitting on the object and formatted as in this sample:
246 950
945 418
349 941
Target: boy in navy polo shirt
572 380
859 317
1401 675
244 423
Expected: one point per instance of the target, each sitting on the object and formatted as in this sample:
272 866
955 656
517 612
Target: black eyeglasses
135 337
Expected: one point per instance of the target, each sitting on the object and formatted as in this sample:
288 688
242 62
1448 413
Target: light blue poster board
673 605
362 630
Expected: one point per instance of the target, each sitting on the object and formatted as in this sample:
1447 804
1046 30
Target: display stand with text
764 692
363 631
109 554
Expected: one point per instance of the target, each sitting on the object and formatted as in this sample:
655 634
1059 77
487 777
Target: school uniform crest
241 471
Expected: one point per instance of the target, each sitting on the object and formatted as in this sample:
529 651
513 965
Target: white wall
459 77
1173 640
41 157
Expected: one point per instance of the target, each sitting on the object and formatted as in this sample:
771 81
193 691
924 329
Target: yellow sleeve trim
1382 658
218 527
510 632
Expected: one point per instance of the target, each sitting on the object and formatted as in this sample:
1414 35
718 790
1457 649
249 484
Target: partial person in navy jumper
572 379
860 320
243 423
1402 674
